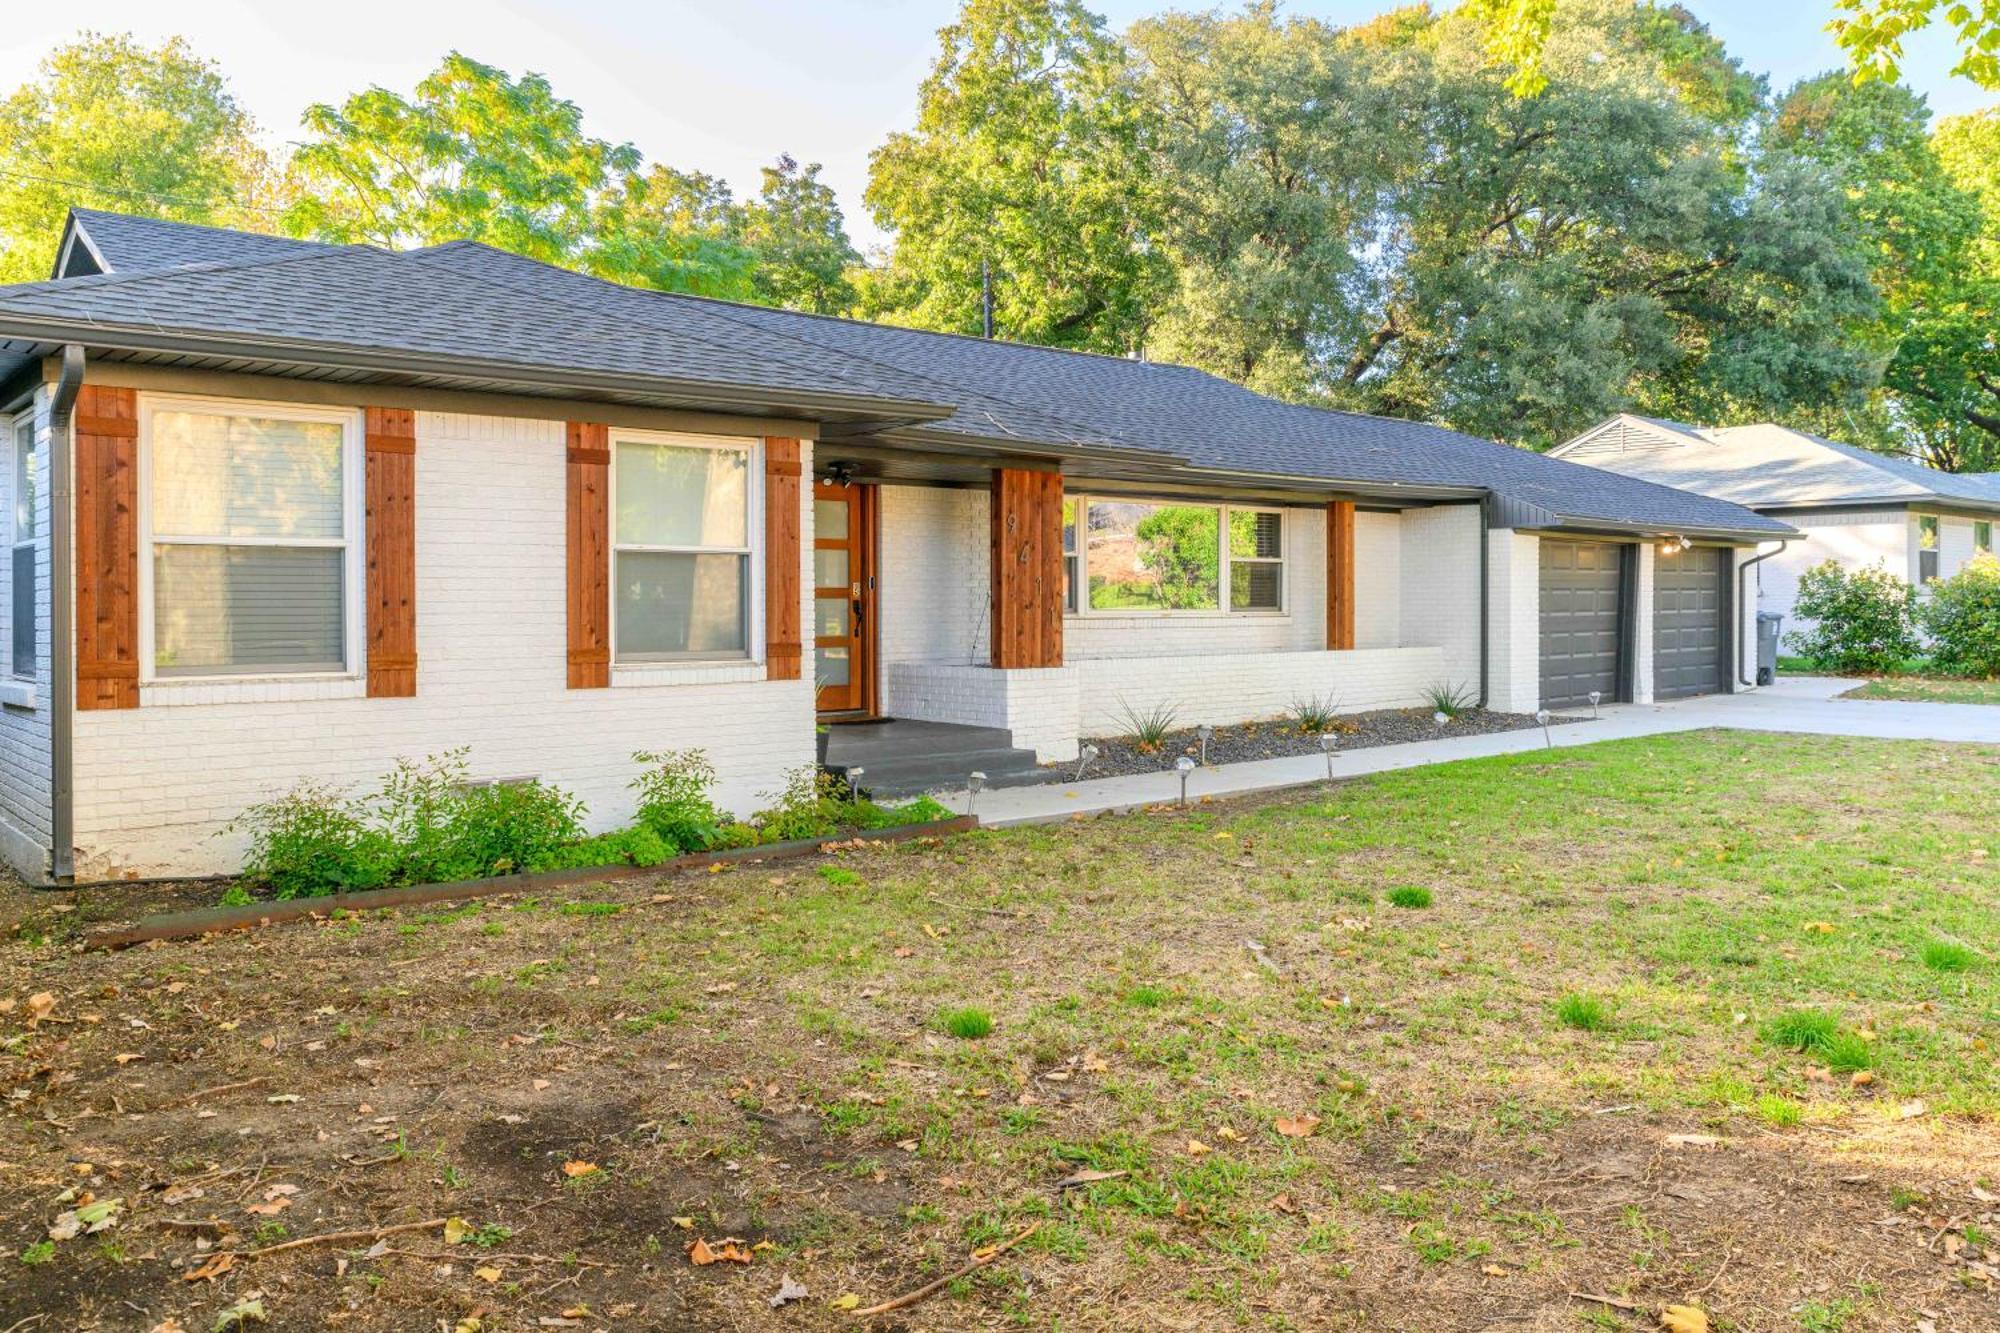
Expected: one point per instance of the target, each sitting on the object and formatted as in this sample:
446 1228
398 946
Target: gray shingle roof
470 302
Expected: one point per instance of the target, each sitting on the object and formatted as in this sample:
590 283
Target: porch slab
1795 704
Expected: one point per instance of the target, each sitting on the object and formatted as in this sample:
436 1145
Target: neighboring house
1854 506
328 506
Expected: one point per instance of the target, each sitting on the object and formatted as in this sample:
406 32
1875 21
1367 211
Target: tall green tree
112 124
474 155
1024 159
679 231
1921 230
795 230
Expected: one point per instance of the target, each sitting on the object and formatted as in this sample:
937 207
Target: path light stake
1088 753
1184 766
1329 742
973 783
1542 716
1439 719
1595 695
1207 734
854 781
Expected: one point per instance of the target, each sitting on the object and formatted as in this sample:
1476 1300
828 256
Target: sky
725 86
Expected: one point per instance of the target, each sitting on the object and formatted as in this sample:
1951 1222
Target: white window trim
14 541
1084 611
643 668
353 568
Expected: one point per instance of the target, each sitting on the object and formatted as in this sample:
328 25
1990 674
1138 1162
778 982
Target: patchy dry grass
1602 1061
1929 690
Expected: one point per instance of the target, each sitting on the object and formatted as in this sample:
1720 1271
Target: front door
844 597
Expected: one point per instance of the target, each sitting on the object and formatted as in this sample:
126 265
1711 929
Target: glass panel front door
843 597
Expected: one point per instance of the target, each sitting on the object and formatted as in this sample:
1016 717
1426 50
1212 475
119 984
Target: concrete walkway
1795 704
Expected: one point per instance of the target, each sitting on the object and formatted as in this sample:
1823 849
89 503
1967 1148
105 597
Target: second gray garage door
1690 623
1581 616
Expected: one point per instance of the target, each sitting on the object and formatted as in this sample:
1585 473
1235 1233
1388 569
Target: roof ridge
79 211
96 280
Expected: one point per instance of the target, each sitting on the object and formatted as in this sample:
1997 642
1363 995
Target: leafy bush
810 805
1962 617
674 801
502 827
313 841
1862 621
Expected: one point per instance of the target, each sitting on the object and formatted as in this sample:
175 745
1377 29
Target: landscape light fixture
1595 695
1207 734
1439 719
974 781
1329 742
854 781
1184 766
1542 716
1084 756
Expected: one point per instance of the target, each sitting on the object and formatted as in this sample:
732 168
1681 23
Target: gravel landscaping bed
1120 755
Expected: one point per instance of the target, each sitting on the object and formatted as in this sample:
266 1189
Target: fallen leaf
282 1098
1228 1135
1196 1148
684 1223
455 1230
701 1254
487 1274
1911 1109
127 1057
239 1314
1811 928
541 1085
575 1169
1301 1127
270 1207
40 1005
1862 1078
1683 1319
847 1302
1494 1270
788 1291
211 1270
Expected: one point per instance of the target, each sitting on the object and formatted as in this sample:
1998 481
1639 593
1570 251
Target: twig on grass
1611 1301
221 1087
929 1289
335 1237
974 907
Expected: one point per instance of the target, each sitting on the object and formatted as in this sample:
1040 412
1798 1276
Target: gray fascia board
381 361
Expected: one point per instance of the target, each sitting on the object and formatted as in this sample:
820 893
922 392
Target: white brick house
1852 506
284 512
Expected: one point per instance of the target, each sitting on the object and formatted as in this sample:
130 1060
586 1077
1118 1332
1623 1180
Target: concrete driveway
1808 704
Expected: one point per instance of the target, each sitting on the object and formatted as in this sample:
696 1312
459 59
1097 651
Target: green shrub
1314 713
1148 727
673 798
638 845
1410 895
810 805
313 841
1861 621
1452 700
867 814
502 827
1961 615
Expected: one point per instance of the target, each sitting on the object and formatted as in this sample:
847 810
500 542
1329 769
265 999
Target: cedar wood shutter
784 646
589 555
391 601
106 427
1027 568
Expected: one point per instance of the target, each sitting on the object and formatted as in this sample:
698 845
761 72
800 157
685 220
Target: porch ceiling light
1184 766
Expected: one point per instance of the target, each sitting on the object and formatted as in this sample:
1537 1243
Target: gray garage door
1690 623
1580 621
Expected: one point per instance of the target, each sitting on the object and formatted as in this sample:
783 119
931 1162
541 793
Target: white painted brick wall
932 581
1642 636
1440 589
1855 539
24 731
1224 690
1038 705
1378 581
156 786
1514 616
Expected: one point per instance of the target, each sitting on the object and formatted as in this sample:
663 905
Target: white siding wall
1642 632
156 785
24 726
1855 539
1954 545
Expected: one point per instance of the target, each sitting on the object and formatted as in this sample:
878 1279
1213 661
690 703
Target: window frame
1080 585
15 541
753 552
1932 555
352 543
1982 543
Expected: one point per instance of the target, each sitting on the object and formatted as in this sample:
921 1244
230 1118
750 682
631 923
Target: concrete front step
904 758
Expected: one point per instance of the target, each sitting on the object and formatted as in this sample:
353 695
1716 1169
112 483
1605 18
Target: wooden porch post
1340 574
1027 568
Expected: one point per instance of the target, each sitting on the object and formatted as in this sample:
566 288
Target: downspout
1485 598
62 615
1743 600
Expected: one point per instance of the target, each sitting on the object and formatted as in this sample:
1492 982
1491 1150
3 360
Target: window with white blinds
681 548
253 528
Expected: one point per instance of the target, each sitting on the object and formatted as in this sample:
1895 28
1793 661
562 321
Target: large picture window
21 602
252 527
681 522
1162 556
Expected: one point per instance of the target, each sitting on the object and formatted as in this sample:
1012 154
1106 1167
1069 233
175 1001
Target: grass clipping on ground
1698 1021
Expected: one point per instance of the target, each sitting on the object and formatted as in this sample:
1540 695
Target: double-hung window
21 602
680 533
1982 535
1927 547
1167 556
253 538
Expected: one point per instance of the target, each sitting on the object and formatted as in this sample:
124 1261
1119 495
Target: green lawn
1929 689
1680 1019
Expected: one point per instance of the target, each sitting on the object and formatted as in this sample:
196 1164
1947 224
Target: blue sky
725 85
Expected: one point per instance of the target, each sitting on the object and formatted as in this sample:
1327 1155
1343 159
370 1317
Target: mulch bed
1120 755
